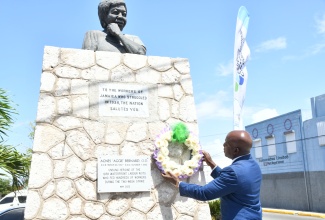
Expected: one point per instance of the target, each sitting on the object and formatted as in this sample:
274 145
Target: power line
284 142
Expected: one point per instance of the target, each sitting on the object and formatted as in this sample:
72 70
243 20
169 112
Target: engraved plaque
124 174
123 99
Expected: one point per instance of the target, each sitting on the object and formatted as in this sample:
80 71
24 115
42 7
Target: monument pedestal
95 104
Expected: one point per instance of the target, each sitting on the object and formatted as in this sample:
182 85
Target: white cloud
264 114
225 69
320 24
275 44
215 106
316 48
311 51
19 124
215 147
293 57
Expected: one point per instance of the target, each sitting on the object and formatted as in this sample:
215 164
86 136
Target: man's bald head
237 143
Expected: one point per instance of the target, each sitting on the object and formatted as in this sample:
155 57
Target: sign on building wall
278 143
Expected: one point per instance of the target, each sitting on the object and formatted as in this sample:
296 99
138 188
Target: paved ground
294 212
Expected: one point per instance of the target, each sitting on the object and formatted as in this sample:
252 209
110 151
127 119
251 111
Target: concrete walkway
294 212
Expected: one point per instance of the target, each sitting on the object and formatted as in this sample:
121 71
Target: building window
258 148
271 148
321 133
291 141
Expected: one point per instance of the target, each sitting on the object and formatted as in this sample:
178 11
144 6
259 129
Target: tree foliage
215 209
15 164
6 112
5 187
31 134
12 162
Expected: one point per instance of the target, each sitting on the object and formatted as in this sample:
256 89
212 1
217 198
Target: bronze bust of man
112 16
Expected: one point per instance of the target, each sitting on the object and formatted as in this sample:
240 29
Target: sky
286 67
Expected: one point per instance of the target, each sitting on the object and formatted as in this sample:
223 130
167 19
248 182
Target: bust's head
112 11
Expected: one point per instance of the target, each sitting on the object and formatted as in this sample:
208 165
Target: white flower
160 157
187 163
168 170
195 147
183 169
165 143
161 143
186 170
189 172
172 165
165 163
158 143
197 157
188 142
176 172
168 136
192 143
192 163
164 151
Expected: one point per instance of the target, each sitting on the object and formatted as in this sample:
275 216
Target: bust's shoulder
95 33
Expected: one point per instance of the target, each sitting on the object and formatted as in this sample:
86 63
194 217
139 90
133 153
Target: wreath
179 133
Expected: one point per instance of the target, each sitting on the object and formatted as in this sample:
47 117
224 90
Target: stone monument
99 113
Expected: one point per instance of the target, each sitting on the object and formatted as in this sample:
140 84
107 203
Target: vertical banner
241 55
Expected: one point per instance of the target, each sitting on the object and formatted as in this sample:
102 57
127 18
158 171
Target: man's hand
114 29
171 178
207 158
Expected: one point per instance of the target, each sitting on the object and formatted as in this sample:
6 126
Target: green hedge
215 209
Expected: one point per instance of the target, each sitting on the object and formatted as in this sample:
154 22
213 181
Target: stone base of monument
98 112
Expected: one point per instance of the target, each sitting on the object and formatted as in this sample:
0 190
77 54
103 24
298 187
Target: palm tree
6 110
12 162
16 164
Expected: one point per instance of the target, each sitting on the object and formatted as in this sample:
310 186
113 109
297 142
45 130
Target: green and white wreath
180 134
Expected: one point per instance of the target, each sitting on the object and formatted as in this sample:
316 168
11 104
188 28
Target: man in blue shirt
237 186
